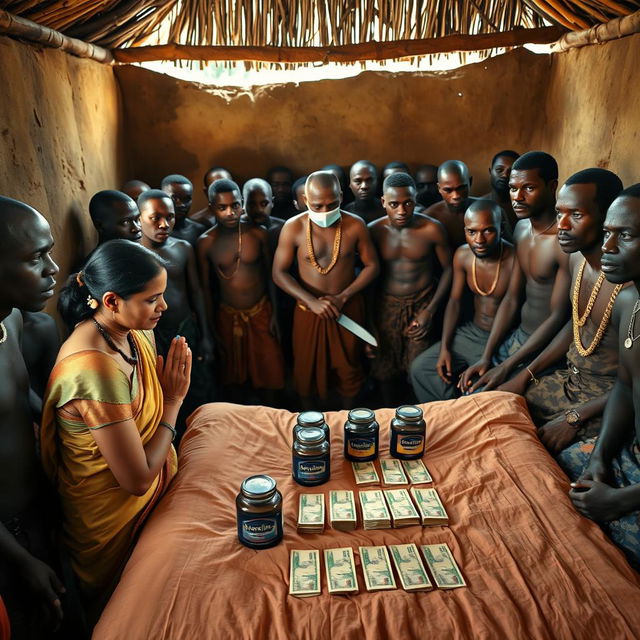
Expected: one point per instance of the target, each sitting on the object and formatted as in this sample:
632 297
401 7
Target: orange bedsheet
534 566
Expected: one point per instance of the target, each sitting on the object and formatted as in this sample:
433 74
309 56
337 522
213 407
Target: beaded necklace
133 358
575 314
334 255
492 288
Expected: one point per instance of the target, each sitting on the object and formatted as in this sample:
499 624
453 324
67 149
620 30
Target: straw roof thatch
117 23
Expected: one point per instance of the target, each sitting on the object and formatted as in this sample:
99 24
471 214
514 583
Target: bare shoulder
351 221
13 323
462 256
522 228
178 245
84 336
208 238
429 226
40 323
436 211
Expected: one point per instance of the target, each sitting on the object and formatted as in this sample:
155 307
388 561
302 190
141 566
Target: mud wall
61 140
173 126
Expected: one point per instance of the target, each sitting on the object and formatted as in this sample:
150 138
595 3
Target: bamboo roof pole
612 30
27 30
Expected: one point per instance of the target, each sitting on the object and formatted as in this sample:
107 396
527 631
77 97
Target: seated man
364 186
409 245
607 470
499 173
28 585
234 261
454 184
281 181
180 190
483 266
540 276
568 403
258 205
205 216
427 186
326 242
134 188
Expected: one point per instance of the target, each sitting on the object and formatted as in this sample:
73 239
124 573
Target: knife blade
356 329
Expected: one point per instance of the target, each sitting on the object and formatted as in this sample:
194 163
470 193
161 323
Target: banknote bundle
375 514
392 472
304 573
342 510
432 511
340 568
376 567
417 472
409 567
365 473
403 511
442 565
311 513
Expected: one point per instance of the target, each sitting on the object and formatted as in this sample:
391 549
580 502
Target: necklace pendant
628 343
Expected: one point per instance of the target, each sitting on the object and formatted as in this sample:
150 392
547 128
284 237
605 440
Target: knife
356 329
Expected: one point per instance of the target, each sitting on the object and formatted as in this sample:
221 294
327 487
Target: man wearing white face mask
326 242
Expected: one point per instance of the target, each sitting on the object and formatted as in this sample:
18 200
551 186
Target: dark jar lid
310 419
409 413
310 436
361 416
258 487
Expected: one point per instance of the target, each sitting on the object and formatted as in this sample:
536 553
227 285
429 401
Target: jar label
313 470
410 444
361 447
260 530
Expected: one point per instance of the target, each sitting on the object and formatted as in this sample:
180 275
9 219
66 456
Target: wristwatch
572 417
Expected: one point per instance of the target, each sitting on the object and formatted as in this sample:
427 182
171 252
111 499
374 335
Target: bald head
453 168
363 180
258 200
134 188
487 206
256 184
482 222
322 191
454 183
322 180
115 216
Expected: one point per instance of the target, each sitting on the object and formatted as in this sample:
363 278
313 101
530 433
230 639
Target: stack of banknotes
402 509
311 513
394 472
342 510
375 514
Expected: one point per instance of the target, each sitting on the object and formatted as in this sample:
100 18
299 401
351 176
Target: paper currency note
373 505
304 573
376 568
413 575
442 565
311 509
392 472
365 473
341 506
400 504
341 570
417 472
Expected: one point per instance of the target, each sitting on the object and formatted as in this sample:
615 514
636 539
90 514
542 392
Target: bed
534 567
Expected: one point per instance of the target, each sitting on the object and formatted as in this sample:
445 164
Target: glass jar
259 512
407 433
361 436
308 419
311 457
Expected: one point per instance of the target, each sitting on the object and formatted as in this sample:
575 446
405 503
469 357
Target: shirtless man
258 205
568 403
499 173
234 260
134 188
115 216
484 267
180 190
409 245
343 179
297 191
364 186
326 242
27 583
281 181
427 186
183 297
40 346
607 471
540 276
454 184
205 216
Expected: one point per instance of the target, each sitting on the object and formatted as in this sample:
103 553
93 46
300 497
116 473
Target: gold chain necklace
222 275
603 322
580 321
628 343
492 288
4 333
334 255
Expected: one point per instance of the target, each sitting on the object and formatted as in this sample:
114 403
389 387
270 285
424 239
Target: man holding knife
326 242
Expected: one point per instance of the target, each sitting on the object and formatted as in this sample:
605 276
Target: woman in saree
110 410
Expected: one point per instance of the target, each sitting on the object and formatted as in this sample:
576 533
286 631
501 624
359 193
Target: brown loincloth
326 356
252 353
396 351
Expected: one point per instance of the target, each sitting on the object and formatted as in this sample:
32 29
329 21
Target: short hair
101 203
545 164
279 169
484 204
364 163
507 153
174 178
608 185
398 180
324 179
134 183
152 194
300 182
396 165
256 183
632 191
221 186
212 170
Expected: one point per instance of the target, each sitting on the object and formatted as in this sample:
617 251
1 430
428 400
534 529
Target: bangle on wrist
533 378
172 429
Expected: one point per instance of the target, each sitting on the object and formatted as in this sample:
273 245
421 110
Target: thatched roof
117 23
